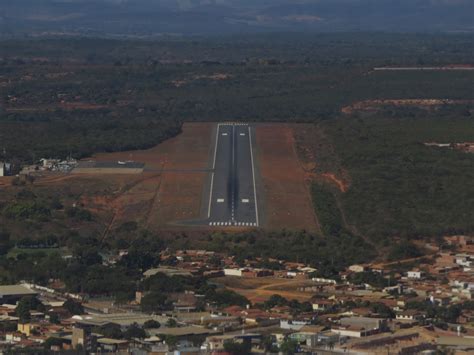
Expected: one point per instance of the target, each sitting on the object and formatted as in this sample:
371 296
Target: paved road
232 199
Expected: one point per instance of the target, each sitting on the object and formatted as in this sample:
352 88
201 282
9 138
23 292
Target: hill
147 17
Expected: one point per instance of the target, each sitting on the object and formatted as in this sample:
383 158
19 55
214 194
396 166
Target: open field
286 193
173 187
260 289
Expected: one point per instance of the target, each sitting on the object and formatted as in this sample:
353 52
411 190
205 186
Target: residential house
411 315
415 274
357 268
321 305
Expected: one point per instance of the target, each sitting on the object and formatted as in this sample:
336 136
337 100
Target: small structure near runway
115 167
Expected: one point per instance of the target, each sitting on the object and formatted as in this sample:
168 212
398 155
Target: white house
410 315
2 169
415 274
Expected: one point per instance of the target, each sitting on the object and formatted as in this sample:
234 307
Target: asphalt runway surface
232 193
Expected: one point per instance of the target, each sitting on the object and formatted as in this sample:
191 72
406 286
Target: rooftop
122 319
16 290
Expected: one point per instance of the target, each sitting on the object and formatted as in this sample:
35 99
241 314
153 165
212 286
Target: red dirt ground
172 190
177 194
287 196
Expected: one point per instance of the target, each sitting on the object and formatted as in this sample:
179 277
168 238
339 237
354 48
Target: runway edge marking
253 176
213 168
233 169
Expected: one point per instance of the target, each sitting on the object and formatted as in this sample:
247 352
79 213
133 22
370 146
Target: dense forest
397 186
77 96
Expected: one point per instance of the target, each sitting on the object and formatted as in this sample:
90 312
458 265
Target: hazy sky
230 16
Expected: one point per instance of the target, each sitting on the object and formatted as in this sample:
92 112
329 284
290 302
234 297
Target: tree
25 305
54 318
382 309
23 312
153 302
52 342
289 347
4 242
87 255
237 348
73 307
111 331
134 331
268 344
149 324
171 323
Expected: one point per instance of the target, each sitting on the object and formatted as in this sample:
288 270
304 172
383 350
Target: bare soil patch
318 157
261 289
167 192
173 188
427 104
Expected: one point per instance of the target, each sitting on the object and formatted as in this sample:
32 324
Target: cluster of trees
279 301
25 205
327 210
27 210
441 315
324 253
371 278
158 287
31 303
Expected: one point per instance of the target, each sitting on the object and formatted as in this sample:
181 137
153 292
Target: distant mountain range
150 17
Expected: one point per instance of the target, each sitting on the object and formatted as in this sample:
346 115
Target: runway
232 193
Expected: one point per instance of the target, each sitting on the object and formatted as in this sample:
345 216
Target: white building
233 272
415 274
357 268
2 169
464 260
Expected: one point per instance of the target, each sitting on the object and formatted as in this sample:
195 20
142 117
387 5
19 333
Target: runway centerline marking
236 207
233 171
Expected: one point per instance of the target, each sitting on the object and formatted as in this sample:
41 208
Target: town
194 303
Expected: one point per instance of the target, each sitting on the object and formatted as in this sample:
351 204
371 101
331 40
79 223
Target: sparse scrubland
83 96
